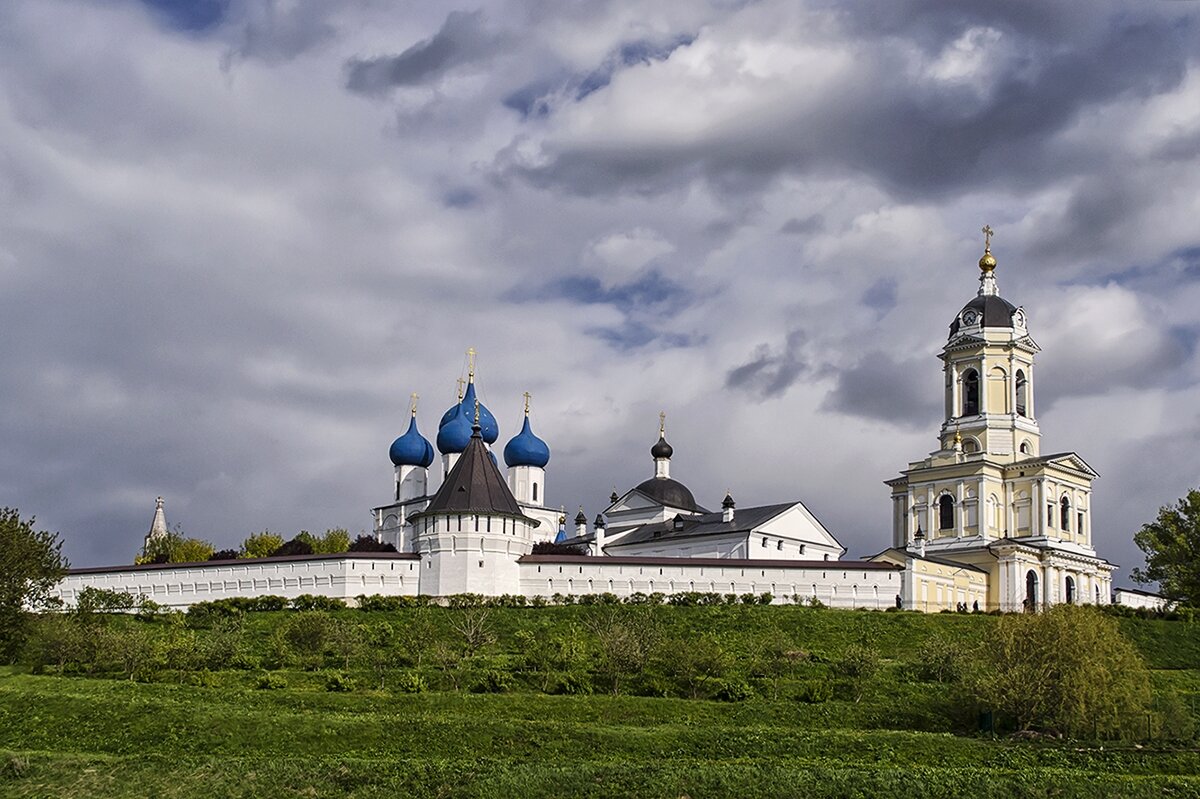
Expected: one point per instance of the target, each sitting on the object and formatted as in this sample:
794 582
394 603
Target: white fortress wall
841 584
342 576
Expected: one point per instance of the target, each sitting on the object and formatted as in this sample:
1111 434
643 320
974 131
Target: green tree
625 639
1066 670
1172 546
261 545
335 540
31 564
191 550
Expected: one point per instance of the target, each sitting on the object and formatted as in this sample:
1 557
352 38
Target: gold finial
662 424
477 412
471 364
459 382
957 438
413 404
988 262
526 395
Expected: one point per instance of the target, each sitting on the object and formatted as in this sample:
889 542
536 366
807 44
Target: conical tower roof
475 485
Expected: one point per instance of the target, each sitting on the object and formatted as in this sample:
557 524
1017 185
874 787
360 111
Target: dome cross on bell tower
987 266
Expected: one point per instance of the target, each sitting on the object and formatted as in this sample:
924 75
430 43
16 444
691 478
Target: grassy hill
365 704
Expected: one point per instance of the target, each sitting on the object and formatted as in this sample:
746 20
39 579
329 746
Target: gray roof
702 524
733 563
931 558
474 485
1057 456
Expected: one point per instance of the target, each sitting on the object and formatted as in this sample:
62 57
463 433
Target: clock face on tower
969 318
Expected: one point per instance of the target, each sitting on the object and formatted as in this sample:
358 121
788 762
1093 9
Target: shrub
734 691
492 681
261 545
765 598
338 682
731 599
378 602
102 600
815 692
466 601
749 599
314 602
573 684
1065 670
306 635
940 660
538 602
224 554
270 681
410 682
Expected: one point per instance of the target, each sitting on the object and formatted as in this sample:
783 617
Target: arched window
946 512
1065 514
970 401
1025 448
535 492
1022 393
1031 590
970 445
1070 590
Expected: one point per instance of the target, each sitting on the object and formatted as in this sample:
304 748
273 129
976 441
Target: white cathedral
985 522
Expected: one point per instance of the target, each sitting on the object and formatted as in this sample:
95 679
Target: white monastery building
986 521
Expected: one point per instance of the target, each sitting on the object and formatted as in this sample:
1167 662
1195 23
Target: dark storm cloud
463 39
803 227
917 138
768 373
645 302
189 15
881 388
880 295
538 98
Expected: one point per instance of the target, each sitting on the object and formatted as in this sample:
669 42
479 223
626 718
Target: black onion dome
728 501
580 518
671 493
993 310
662 449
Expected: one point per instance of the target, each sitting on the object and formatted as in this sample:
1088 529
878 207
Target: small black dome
662 449
992 309
728 501
580 518
671 493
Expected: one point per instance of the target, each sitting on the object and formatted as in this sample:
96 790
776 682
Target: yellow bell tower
988 371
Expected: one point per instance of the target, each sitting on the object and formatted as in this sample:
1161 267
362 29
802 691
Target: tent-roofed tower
473 530
987 497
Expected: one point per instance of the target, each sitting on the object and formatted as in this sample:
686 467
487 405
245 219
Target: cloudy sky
235 235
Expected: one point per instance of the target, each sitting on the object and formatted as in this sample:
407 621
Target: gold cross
662 423
471 362
460 382
413 407
526 403
987 238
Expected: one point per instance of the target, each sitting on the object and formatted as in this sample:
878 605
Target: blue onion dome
526 449
487 422
455 434
412 448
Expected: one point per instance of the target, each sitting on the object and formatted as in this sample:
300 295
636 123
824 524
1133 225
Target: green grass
110 737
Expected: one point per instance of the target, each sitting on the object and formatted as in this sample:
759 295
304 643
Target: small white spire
158 527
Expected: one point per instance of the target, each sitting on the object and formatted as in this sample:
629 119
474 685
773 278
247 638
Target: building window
946 512
1070 590
1079 523
970 393
764 543
1065 514
1025 448
1049 514
802 549
779 545
535 499
1022 393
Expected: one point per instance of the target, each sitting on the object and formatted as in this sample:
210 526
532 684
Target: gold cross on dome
413 407
526 395
460 382
662 423
471 361
987 237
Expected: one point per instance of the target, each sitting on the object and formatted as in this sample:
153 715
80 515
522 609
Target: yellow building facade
987 499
